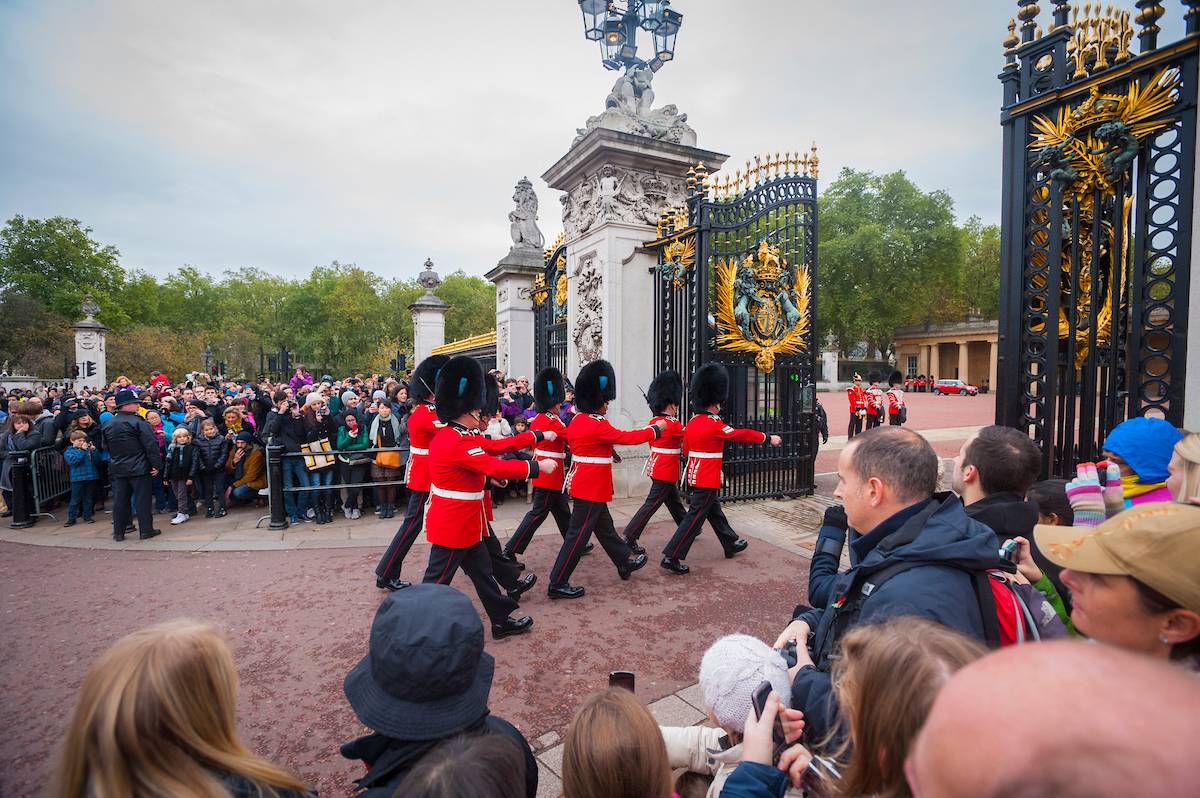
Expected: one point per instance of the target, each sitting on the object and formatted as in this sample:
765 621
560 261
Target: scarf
392 420
1131 487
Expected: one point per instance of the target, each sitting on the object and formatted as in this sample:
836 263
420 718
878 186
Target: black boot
522 586
634 547
674 566
391 584
567 591
635 564
738 546
512 558
511 626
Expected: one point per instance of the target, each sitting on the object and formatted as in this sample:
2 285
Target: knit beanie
730 672
1146 445
313 398
378 396
346 396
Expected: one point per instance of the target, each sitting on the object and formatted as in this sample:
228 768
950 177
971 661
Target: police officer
662 466
133 461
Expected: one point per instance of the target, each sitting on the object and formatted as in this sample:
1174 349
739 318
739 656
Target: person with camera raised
285 427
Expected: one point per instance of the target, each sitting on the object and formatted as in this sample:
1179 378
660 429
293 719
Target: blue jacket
82 463
937 533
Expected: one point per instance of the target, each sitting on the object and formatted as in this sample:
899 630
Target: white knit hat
313 398
730 672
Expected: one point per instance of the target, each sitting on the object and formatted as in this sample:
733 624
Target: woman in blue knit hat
1142 448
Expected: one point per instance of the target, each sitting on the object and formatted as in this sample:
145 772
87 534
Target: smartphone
759 702
622 679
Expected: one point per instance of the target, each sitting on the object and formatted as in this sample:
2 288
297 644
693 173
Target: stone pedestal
513 277
616 185
429 316
829 366
90 350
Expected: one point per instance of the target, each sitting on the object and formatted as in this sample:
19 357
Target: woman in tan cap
1134 579
1183 472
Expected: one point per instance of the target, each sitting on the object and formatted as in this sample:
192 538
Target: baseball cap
1155 544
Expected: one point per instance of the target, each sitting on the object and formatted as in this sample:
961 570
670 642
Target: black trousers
546 502
587 517
143 493
855 426
477 564
506 573
702 506
894 420
661 492
406 535
872 421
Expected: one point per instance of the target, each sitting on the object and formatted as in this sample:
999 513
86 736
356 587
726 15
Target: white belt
417 450
461 495
578 458
706 455
657 450
555 455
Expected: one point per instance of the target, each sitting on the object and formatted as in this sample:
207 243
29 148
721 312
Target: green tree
980 276
472 302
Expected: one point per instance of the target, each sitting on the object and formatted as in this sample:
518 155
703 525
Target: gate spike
757 170
787 163
814 161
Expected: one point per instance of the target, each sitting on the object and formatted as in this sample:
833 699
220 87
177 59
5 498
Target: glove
1086 496
835 517
1114 491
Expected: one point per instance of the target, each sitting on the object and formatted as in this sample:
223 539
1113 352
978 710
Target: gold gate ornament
763 306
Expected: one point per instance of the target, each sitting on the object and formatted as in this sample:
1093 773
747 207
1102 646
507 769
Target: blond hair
614 749
155 716
1188 450
886 679
206 423
179 432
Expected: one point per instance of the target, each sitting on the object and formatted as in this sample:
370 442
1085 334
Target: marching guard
423 424
857 397
875 401
591 438
662 466
458 468
704 444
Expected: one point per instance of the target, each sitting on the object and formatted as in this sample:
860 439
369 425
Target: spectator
351 405
180 473
162 433
1117 725
233 421
1183 480
299 379
1050 495
211 453
425 678
568 405
522 395
45 428
319 425
352 437
1134 579
245 469
133 462
1142 447
387 432
886 480
285 427
614 749
155 716
496 769
81 457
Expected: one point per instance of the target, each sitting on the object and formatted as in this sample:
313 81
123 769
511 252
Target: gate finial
1027 13
1149 12
1010 45
814 161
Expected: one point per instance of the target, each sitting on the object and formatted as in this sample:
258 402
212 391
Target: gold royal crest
762 306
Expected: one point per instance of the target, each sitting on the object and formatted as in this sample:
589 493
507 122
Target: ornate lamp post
615 26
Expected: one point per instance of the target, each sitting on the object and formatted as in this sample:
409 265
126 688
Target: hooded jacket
937 533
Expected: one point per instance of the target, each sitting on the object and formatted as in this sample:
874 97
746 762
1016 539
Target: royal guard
875 401
897 409
704 446
423 424
589 482
549 393
456 513
662 466
858 406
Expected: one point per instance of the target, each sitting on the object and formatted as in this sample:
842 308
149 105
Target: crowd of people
1070 608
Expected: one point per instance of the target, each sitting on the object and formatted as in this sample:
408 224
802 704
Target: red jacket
895 399
874 400
858 398
704 443
555 449
458 467
663 462
592 438
423 424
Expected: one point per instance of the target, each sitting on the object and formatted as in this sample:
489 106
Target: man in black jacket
886 482
133 461
425 678
285 427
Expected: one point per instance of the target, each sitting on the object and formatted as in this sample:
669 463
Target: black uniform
133 453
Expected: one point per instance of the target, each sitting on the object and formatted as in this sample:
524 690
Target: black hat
459 388
665 389
710 385
491 396
896 378
424 377
549 388
873 376
595 385
426 675
126 397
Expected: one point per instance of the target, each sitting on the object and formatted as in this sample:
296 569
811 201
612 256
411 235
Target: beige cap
1156 544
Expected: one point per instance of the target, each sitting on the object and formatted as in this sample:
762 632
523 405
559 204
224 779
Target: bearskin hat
710 384
896 378
460 388
665 389
873 377
424 377
549 389
595 385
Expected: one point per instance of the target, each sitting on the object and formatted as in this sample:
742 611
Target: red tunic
704 442
592 438
663 462
858 398
455 513
874 401
423 424
504 446
555 449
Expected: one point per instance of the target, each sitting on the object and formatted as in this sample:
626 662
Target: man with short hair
915 556
133 460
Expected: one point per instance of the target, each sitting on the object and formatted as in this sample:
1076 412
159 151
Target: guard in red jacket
662 466
455 515
704 445
589 482
857 397
423 424
875 400
548 497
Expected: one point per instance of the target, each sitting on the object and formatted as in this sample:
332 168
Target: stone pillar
964 360
829 361
90 353
923 359
513 277
934 365
993 361
429 316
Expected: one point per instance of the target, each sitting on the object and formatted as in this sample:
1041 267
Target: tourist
212 451
285 428
353 465
180 472
81 457
476 766
1142 447
387 432
1097 722
156 716
614 749
1134 579
163 430
133 461
1183 472
300 378
245 469
1050 496
319 427
425 679
886 481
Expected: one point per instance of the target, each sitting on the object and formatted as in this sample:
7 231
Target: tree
980 280
32 339
472 302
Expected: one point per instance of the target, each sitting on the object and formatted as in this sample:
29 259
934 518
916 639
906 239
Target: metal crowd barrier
39 477
275 489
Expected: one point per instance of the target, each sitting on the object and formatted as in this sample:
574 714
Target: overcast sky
287 134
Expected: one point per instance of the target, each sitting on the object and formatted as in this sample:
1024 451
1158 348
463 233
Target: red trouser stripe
409 523
449 569
699 519
582 534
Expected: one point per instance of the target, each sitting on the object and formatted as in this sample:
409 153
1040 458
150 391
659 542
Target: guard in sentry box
662 466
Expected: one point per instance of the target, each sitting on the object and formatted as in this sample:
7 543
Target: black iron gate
549 295
737 285
1099 161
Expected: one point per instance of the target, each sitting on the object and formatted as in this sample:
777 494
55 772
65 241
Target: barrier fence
39 478
276 489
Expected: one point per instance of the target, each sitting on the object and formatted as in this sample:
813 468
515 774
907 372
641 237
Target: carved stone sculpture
589 325
628 110
524 230
429 279
502 346
617 194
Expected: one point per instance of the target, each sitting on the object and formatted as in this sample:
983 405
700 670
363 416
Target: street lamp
615 25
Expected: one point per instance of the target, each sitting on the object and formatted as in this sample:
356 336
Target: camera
1009 550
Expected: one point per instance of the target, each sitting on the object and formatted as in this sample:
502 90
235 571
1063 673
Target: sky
286 134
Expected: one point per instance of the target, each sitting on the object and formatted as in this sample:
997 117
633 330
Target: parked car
955 387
